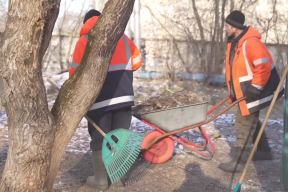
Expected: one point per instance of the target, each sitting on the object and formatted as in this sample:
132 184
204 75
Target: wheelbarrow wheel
159 152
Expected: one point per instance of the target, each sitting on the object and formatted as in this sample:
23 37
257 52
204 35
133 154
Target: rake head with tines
120 149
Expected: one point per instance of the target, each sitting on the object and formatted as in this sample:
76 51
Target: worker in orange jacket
112 108
250 72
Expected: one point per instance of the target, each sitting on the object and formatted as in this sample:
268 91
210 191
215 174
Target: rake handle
88 118
264 124
193 126
95 126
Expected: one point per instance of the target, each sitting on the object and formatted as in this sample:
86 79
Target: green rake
120 149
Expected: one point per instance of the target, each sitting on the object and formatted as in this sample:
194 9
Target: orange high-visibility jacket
117 91
253 73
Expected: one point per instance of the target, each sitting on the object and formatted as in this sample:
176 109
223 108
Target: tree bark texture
31 128
81 90
37 137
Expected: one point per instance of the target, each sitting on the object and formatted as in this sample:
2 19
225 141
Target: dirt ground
184 172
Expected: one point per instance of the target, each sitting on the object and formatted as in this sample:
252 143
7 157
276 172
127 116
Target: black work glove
253 94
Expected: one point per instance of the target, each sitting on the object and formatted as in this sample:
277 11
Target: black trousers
120 118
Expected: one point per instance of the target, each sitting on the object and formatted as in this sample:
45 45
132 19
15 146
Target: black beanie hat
236 19
91 13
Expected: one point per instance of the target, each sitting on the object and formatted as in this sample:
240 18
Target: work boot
100 179
237 164
263 151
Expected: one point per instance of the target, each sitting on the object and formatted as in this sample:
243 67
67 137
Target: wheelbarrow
158 145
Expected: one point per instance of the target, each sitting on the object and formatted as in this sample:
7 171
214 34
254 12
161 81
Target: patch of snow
246 187
50 102
139 127
229 119
57 79
80 142
179 150
3 119
225 119
224 125
231 138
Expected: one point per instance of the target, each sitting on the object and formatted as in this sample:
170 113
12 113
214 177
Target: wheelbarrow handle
218 105
193 126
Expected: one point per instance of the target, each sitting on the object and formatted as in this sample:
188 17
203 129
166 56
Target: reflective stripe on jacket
254 74
117 90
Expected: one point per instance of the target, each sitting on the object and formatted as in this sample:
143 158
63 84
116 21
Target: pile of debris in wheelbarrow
170 113
168 100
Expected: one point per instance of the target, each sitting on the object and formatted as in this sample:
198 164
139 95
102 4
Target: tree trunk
37 137
31 126
80 91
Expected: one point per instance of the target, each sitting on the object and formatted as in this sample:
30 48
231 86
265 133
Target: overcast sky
75 5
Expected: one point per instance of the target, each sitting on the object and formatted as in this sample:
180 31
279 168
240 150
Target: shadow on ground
81 170
138 171
197 181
